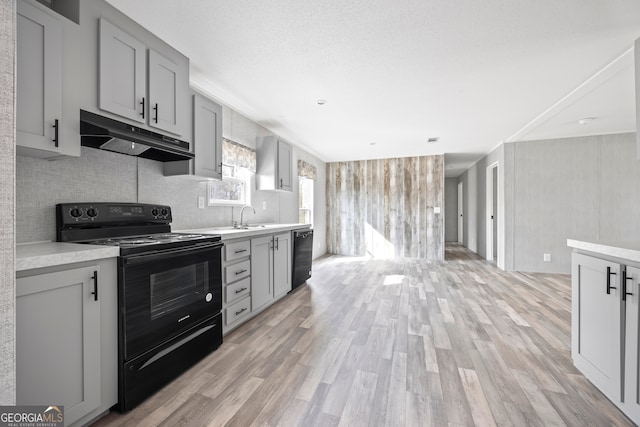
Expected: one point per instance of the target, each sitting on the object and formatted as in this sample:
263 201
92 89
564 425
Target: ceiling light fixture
586 120
321 101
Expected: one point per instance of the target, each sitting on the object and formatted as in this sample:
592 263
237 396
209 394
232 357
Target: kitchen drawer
237 250
237 290
237 311
235 272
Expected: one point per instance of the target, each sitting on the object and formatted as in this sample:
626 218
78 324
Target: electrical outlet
264 205
200 202
547 257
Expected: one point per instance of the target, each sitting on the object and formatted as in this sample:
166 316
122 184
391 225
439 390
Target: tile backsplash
102 176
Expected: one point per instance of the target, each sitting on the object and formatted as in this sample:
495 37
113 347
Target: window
232 189
238 166
306 200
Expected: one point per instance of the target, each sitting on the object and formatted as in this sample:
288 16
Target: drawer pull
240 272
609 274
240 251
241 311
240 290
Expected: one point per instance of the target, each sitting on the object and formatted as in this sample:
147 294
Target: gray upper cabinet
39 84
165 86
207 143
125 73
123 79
274 159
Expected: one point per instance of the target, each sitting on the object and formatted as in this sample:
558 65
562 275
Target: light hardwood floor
400 342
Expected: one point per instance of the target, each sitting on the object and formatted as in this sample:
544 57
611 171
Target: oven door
164 293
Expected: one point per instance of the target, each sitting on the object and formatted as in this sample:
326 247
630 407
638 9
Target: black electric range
169 290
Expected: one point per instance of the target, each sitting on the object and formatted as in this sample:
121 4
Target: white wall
551 190
474 212
7 196
582 188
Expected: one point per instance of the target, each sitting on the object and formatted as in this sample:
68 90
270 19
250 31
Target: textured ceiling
394 73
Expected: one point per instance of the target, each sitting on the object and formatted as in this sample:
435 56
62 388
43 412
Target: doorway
492 213
460 211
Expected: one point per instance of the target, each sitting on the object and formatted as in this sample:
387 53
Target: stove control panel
94 214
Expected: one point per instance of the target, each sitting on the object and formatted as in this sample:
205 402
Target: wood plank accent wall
385 208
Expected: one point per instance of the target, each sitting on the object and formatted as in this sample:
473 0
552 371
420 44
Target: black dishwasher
302 249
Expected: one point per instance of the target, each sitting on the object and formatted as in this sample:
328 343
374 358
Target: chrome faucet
242 214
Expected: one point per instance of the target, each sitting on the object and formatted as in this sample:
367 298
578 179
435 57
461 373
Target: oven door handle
168 253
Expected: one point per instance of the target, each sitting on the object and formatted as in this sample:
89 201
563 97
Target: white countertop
228 233
50 254
624 250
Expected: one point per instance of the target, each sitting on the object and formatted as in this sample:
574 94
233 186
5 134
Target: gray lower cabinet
39 83
282 267
271 269
66 339
605 317
631 397
596 308
236 277
262 268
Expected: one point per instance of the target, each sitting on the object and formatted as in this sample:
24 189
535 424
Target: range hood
107 134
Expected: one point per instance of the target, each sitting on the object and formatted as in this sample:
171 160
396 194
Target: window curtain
306 170
237 155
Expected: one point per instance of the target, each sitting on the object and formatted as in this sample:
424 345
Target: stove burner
133 227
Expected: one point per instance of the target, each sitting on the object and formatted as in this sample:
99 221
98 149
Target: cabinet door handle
240 251
277 244
624 285
95 285
240 272
55 132
280 182
609 274
156 111
240 290
142 103
241 311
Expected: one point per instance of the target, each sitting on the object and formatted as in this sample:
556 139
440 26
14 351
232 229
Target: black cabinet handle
609 274
280 182
624 285
240 272
95 285
240 290
142 103
156 110
238 312
241 250
277 244
55 135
